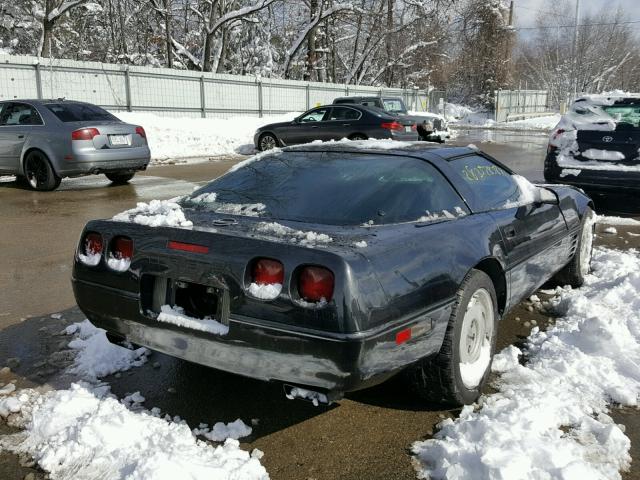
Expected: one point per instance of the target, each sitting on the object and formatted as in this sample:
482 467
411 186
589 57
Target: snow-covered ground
549 419
196 138
85 432
465 116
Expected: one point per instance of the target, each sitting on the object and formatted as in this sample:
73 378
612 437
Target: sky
527 10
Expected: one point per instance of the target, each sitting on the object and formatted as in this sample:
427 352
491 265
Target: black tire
39 173
267 141
119 178
438 379
575 271
358 136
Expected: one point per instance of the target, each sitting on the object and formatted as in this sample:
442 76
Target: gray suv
431 127
42 141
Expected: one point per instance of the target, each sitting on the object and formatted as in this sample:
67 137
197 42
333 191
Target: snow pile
119 264
84 433
182 138
528 193
96 356
92 259
314 397
209 200
453 111
617 220
595 154
360 244
309 238
549 418
265 292
156 213
176 316
221 431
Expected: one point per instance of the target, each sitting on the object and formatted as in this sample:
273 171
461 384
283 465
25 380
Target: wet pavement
364 436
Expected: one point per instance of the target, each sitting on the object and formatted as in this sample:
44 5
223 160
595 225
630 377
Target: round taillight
315 284
266 271
92 244
122 248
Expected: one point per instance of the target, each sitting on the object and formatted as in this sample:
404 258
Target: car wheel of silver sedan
39 173
267 142
457 374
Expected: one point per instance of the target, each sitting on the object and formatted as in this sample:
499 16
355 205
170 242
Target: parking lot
366 435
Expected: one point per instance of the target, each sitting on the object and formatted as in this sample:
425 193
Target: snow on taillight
140 131
555 135
120 253
397 126
315 284
267 277
84 134
91 248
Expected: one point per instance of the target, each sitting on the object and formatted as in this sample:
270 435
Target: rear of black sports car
320 333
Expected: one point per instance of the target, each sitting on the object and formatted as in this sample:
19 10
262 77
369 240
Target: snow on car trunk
549 417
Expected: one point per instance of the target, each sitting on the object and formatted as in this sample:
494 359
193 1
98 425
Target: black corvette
334 122
330 268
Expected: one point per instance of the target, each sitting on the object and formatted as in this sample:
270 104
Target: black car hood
275 125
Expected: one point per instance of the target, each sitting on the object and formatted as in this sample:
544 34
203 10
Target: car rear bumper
600 179
329 363
123 159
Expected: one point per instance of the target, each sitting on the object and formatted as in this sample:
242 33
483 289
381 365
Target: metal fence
520 104
175 92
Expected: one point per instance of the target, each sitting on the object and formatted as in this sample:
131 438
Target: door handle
314 126
510 232
346 124
20 136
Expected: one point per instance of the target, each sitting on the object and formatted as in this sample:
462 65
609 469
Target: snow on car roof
606 98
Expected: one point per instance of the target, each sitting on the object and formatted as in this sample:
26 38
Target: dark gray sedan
42 141
355 122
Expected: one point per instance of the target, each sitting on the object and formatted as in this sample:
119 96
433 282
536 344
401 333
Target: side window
19 114
315 115
343 113
493 186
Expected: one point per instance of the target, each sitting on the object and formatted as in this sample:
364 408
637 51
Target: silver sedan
42 141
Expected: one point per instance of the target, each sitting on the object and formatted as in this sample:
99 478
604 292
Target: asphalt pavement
367 435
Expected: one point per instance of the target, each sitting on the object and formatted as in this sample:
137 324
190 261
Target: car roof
367 97
419 149
43 101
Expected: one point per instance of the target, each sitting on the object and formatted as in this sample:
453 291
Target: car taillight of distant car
84 134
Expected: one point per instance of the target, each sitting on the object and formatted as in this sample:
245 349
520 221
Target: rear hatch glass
330 189
619 145
80 112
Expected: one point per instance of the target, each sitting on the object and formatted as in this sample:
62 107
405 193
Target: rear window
79 112
333 189
624 113
394 105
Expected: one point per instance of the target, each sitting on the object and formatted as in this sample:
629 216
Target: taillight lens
315 284
140 131
392 126
414 127
557 133
122 248
92 244
84 134
266 271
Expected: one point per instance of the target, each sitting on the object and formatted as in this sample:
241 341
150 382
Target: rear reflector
188 247
402 336
315 284
84 134
266 271
140 131
122 248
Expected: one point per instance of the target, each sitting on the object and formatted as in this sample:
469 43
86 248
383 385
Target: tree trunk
167 32
311 44
47 38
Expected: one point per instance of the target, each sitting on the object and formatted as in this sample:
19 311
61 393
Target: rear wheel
457 374
119 178
358 136
39 173
575 272
267 142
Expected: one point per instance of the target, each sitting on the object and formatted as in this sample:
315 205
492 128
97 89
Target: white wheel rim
586 243
475 338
